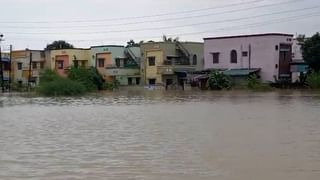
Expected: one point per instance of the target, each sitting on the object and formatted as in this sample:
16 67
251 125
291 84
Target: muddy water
162 135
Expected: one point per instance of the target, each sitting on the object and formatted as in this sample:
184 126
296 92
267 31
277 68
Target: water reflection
161 135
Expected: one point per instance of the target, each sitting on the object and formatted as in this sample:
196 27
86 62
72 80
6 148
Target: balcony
116 71
170 70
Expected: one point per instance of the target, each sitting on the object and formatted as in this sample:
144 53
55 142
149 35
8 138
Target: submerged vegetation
51 84
313 80
219 81
255 84
79 81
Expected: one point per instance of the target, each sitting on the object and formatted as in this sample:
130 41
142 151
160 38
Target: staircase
132 57
184 52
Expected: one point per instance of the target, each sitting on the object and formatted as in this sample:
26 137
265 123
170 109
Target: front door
285 58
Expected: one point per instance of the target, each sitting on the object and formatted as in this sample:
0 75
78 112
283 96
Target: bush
61 87
90 78
48 75
253 83
313 80
218 81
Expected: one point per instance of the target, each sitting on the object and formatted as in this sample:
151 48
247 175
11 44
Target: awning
240 72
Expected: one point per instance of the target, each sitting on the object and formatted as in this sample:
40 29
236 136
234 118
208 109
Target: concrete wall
296 51
264 54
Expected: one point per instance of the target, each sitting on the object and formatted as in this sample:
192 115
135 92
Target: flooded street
162 136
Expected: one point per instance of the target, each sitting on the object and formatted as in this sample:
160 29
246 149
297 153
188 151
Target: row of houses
271 56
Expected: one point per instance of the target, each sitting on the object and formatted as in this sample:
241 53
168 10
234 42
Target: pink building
271 53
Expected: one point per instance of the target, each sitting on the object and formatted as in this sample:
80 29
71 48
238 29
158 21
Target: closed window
233 56
101 62
152 61
245 54
60 64
34 65
19 66
41 65
215 57
194 60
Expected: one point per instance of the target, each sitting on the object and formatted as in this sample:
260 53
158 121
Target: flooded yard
160 135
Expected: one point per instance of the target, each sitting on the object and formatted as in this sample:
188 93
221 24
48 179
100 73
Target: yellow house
154 60
61 60
27 65
169 63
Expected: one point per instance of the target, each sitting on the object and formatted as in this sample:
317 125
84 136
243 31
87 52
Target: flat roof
249 35
182 42
106 46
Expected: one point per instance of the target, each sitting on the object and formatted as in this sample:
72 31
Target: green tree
132 43
311 52
61 44
169 39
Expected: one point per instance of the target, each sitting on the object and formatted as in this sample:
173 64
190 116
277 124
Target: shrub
313 80
48 75
90 78
218 81
253 83
61 87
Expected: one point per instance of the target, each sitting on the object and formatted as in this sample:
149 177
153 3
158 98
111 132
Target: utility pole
1 70
1 66
30 71
10 68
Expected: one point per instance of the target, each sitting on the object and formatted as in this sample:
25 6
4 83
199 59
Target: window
118 62
101 62
152 61
76 63
129 81
41 65
19 66
42 54
245 54
215 57
34 65
60 64
194 60
83 63
138 81
152 81
233 56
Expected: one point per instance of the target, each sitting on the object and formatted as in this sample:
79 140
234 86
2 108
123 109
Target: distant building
5 63
168 63
27 65
269 55
117 63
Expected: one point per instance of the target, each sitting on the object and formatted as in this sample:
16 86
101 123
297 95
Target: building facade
27 66
270 53
117 63
5 63
62 60
168 63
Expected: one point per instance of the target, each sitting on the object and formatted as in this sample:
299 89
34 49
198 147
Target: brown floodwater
160 135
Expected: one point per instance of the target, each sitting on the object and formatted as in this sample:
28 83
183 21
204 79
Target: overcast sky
84 23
